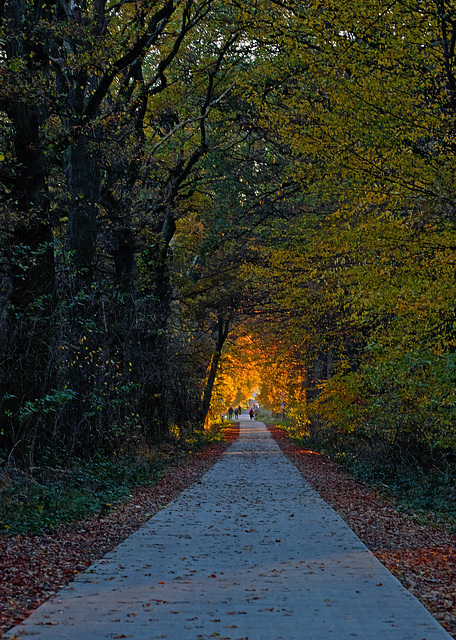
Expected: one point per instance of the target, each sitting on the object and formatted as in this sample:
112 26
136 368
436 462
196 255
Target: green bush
47 497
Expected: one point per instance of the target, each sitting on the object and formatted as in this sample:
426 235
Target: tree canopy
204 198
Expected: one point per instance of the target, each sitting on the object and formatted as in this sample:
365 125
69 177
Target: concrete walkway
251 552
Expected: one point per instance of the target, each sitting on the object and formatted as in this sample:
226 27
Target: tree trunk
28 308
223 327
84 186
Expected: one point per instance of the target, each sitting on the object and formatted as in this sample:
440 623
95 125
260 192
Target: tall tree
28 261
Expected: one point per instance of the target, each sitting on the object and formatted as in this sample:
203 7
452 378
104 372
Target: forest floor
421 555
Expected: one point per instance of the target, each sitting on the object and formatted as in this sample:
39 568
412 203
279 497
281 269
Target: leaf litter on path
421 556
34 567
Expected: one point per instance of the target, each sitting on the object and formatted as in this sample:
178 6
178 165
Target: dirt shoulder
33 568
421 556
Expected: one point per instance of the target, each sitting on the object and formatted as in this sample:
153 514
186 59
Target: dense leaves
193 185
117 125
357 278
203 200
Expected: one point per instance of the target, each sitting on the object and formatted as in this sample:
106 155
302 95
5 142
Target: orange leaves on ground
32 568
421 556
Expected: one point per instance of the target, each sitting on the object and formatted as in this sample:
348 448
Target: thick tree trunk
84 186
157 393
28 308
223 328
80 335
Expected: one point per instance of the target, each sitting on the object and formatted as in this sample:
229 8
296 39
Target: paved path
251 552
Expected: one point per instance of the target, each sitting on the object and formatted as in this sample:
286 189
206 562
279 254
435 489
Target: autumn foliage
191 186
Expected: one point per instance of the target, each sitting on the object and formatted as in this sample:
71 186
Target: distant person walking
236 413
230 412
251 414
